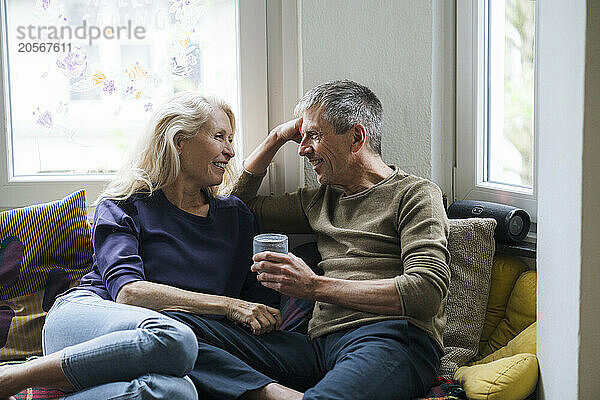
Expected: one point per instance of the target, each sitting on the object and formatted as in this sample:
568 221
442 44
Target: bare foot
44 371
7 385
273 391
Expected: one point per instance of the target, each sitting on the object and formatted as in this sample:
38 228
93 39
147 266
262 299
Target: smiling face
204 157
327 151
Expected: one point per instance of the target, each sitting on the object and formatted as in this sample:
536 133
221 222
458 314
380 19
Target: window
81 77
495 102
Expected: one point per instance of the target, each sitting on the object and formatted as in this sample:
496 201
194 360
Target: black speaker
513 223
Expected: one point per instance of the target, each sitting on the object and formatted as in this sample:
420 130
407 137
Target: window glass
510 92
84 75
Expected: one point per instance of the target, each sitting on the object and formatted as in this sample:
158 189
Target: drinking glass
270 242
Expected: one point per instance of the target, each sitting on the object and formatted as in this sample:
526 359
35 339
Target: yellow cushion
505 272
524 342
520 313
510 378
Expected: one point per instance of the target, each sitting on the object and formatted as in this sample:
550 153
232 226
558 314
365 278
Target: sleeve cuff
252 173
399 291
115 286
422 286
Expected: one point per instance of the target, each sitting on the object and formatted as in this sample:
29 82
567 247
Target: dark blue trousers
383 360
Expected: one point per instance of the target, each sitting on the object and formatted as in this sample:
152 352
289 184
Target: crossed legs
106 350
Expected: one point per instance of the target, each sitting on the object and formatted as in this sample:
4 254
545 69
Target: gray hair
155 162
347 103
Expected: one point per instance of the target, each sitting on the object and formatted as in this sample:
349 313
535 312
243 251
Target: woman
163 241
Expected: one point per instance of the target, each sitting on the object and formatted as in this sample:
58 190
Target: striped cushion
44 249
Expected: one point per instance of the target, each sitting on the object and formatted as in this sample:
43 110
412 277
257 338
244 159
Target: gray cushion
471 245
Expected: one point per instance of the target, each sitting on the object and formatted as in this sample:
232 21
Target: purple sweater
149 238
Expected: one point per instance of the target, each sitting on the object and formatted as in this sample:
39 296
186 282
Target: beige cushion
471 245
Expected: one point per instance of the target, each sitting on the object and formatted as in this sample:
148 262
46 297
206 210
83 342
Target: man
376 329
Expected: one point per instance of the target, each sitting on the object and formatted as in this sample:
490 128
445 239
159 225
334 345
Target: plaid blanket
445 389
442 389
39 393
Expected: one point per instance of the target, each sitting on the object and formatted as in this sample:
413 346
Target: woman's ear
178 141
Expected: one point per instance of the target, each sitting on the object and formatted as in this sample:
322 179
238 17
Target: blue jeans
116 351
387 360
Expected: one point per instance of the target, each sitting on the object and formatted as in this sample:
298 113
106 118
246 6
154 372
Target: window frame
253 100
470 114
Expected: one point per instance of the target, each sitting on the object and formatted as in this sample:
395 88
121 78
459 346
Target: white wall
568 216
590 231
443 95
386 45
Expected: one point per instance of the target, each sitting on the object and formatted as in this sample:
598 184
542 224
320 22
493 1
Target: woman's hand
289 130
257 317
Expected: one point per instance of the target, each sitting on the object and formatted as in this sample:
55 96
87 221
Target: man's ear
359 137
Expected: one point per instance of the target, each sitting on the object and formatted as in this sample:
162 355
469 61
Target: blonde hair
155 162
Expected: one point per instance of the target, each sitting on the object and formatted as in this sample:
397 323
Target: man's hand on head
258 161
289 130
285 273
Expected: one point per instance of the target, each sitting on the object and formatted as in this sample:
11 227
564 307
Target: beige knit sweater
395 229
